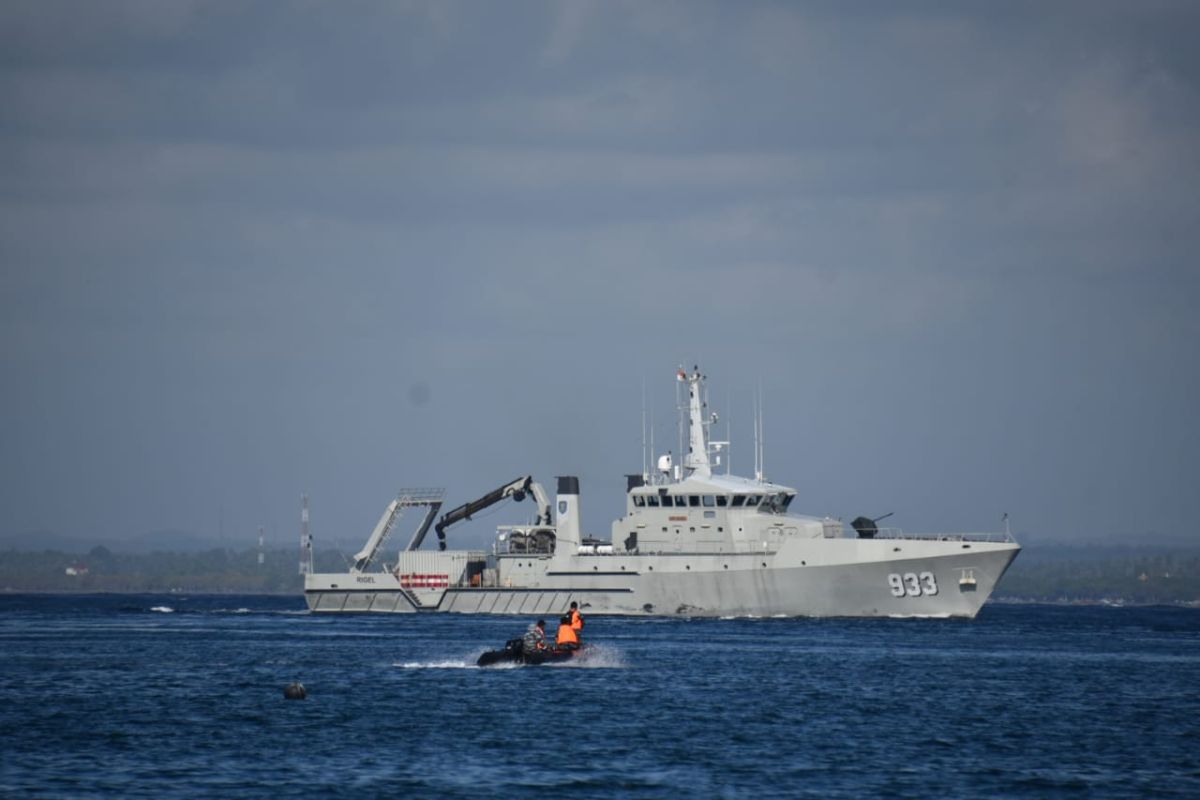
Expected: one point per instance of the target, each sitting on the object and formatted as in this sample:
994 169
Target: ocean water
171 696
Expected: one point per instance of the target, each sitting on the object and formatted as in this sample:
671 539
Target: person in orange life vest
576 620
567 639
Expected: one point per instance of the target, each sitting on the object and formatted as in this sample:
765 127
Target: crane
516 489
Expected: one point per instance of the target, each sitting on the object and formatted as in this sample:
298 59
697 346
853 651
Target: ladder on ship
430 499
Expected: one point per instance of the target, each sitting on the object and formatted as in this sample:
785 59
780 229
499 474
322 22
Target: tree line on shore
1131 577
218 570
1062 575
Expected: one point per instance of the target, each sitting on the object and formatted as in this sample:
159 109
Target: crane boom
516 489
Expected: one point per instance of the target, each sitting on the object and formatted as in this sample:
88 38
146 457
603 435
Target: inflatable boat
514 653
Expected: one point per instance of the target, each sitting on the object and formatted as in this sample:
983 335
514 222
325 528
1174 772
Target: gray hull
816 578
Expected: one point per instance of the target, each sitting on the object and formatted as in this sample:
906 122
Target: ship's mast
696 459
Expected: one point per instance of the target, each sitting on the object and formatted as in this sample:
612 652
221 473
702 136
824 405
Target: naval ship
691 542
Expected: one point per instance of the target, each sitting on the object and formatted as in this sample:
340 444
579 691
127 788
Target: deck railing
897 533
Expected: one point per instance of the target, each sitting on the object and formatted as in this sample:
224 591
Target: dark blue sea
182 697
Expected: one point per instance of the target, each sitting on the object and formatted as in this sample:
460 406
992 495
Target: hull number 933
912 584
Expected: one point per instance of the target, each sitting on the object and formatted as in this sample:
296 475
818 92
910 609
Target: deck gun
867 527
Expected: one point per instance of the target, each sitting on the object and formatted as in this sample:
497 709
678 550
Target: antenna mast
645 460
728 433
758 434
653 454
677 472
306 555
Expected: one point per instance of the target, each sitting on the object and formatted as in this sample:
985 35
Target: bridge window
777 503
652 501
752 500
722 501
680 501
738 500
639 501
694 500
709 501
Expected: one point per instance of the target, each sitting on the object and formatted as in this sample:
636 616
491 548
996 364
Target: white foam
434 665
163 609
595 656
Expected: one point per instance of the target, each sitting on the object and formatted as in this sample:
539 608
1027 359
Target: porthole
726 566
764 563
687 566
650 568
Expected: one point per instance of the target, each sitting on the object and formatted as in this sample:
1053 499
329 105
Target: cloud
569 19
230 224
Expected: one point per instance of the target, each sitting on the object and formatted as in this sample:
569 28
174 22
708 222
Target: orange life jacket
576 621
566 634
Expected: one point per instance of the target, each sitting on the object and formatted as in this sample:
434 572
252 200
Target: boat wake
435 664
595 657
265 612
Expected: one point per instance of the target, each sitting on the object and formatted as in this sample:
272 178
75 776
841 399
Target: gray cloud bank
254 249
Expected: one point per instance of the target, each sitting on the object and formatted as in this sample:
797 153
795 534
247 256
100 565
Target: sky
250 250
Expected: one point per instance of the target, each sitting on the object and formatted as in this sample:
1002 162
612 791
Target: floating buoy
294 691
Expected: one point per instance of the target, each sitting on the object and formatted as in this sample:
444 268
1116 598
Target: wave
163 609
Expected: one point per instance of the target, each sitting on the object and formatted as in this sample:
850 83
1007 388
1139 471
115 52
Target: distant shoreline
1114 602
1051 576
1002 601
